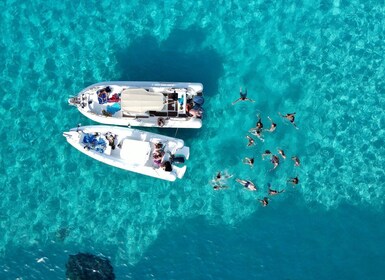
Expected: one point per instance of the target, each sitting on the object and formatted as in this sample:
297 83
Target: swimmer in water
247 184
219 187
296 161
294 181
275 162
282 153
221 176
264 201
266 153
273 125
243 97
251 141
258 133
273 192
249 161
259 124
290 117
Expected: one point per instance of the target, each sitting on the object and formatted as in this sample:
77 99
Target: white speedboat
150 104
138 151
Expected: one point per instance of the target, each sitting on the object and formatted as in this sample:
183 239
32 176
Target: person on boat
274 161
296 160
290 117
159 147
294 180
243 97
273 192
282 153
219 176
264 201
196 113
273 125
266 153
166 166
251 141
158 157
102 96
111 139
247 184
249 161
161 122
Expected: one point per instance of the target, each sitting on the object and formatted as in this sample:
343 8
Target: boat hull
130 143
174 115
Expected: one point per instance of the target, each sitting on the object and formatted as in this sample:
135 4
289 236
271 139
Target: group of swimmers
275 159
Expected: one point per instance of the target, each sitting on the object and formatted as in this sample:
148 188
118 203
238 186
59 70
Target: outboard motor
176 159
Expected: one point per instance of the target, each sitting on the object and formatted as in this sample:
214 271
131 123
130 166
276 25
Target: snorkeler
219 187
275 162
290 117
282 153
296 161
266 153
249 161
273 125
294 180
264 201
247 184
258 133
243 97
251 141
273 192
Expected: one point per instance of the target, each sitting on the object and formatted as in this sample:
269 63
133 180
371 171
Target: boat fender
161 122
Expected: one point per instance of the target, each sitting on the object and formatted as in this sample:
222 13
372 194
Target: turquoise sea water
321 59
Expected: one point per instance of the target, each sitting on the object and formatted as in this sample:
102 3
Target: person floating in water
296 161
273 192
221 176
273 125
259 124
266 153
251 141
243 97
294 180
249 161
264 201
219 187
275 162
247 184
282 153
258 133
290 117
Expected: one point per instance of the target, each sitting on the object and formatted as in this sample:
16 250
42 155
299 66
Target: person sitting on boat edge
158 157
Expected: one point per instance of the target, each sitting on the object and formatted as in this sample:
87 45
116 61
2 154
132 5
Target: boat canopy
138 100
134 151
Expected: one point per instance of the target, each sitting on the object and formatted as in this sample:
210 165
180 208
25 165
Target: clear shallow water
323 60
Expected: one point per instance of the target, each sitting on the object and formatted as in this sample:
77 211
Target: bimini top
138 100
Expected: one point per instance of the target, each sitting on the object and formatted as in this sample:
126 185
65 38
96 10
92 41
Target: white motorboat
149 104
138 151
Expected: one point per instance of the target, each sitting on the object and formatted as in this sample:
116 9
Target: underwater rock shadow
174 59
180 58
